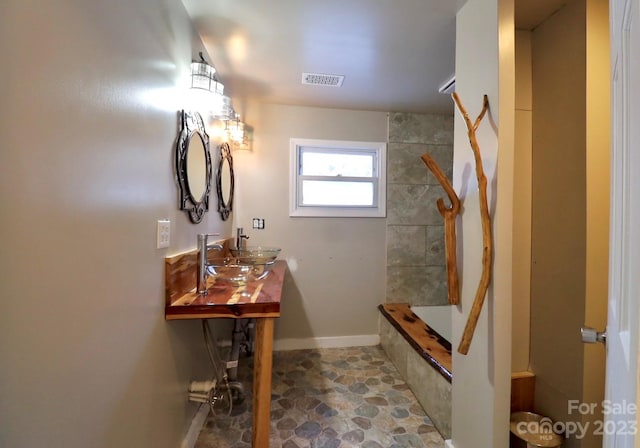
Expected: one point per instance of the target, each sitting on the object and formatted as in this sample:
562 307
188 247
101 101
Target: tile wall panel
415 231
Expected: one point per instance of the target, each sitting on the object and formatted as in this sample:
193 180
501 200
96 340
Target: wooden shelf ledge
435 349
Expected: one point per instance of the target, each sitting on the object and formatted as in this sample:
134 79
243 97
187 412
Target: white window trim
379 211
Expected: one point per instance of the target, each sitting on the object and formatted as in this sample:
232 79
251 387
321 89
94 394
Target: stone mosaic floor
330 398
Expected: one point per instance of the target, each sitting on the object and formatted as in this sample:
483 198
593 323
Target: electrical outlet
258 223
163 233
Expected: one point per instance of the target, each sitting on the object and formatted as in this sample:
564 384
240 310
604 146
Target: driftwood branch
487 247
449 214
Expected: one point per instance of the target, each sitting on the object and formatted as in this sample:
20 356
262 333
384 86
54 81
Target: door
620 420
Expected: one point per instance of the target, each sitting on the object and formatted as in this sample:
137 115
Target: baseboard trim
281 345
448 444
197 423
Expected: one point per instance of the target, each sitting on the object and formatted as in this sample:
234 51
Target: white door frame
621 399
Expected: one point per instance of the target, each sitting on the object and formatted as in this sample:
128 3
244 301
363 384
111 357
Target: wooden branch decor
449 214
487 247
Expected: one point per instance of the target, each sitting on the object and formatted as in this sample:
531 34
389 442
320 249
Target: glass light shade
221 108
235 129
202 77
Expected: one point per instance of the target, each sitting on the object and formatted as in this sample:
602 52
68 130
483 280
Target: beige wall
337 265
484 65
598 180
570 207
559 209
522 206
87 128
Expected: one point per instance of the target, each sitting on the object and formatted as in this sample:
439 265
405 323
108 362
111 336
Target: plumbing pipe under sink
202 386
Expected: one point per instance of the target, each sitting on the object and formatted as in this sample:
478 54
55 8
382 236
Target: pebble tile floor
329 398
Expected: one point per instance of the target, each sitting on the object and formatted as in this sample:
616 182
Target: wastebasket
529 430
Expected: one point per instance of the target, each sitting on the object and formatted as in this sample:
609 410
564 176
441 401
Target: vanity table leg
262 365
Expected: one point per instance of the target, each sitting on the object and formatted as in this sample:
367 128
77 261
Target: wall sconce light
206 91
203 77
239 134
235 129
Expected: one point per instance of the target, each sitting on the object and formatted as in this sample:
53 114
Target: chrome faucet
240 237
203 249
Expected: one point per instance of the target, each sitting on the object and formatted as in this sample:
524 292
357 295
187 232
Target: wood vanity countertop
256 299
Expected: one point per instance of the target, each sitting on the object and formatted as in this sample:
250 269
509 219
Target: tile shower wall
415 232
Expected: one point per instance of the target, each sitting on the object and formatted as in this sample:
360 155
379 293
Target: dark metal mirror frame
192 126
225 205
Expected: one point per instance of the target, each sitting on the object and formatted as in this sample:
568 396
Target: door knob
591 335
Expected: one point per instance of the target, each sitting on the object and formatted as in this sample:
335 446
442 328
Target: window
337 178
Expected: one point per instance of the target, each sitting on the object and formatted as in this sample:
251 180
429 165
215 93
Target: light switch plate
258 223
163 233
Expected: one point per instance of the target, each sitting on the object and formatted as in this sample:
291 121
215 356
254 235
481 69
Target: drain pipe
236 341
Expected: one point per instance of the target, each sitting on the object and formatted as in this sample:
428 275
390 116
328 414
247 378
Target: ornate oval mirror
225 181
197 167
193 166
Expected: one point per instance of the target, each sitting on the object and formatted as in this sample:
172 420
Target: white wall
88 121
484 65
337 265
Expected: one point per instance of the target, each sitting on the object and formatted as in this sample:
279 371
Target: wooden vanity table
257 299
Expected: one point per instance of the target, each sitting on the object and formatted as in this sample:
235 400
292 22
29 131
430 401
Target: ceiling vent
320 79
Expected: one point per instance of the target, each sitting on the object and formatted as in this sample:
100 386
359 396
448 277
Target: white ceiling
394 54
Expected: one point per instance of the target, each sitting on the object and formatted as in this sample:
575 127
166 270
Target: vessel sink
256 255
238 274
